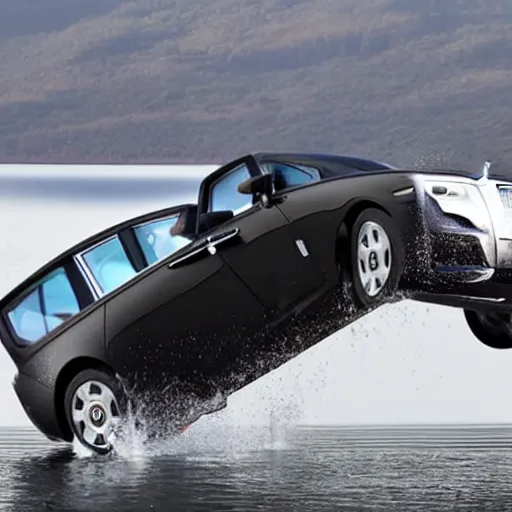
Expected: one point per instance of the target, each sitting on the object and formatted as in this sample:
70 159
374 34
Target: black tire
364 297
110 407
494 330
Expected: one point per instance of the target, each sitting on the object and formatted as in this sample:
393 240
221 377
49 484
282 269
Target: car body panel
84 338
329 165
318 211
38 402
176 322
268 259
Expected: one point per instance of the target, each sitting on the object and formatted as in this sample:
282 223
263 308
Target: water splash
149 430
148 435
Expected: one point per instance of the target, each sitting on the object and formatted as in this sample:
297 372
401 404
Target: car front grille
506 200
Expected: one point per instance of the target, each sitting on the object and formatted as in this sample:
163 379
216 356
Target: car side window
224 193
59 300
286 176
109 264
51 302
157 240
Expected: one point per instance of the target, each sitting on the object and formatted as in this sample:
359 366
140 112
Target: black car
280 251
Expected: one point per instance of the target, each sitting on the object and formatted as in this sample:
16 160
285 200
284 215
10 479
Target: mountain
412 82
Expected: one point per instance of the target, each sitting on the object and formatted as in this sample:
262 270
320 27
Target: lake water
236 469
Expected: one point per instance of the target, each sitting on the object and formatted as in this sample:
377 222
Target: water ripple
357 468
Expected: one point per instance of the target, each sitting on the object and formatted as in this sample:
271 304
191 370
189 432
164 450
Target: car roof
330 164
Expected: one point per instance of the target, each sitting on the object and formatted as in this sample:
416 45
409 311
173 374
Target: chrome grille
506 199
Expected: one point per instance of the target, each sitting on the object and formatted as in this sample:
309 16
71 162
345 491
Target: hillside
408 81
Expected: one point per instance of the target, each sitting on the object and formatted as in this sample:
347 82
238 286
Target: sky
403 363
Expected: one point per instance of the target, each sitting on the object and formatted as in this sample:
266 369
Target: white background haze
404 363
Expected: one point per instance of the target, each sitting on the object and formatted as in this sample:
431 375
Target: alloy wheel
96 415
374 257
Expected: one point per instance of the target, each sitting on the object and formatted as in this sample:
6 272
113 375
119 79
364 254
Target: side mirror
186 224
211 220
260 187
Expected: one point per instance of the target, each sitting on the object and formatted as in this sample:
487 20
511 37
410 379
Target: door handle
221 238
210 245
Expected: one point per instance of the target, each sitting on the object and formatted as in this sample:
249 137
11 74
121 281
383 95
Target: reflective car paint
238 290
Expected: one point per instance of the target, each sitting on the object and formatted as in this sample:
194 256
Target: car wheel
492 329
95 404
376 257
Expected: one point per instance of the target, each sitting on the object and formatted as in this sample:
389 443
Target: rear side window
109 264
51 302
157 240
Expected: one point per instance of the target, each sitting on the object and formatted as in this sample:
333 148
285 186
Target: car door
312 206
268 254
186 315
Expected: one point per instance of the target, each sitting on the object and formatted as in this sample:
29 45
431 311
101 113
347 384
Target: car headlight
462 199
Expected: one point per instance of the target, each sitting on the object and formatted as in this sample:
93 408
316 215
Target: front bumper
466 236
475 214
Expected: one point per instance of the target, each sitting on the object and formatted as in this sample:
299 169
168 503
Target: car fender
84 338
324 211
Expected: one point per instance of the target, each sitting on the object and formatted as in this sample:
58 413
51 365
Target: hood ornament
485 170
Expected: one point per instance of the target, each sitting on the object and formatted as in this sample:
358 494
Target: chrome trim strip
187 256
471 274
88 277
482 275
403 192
470 297
86 271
